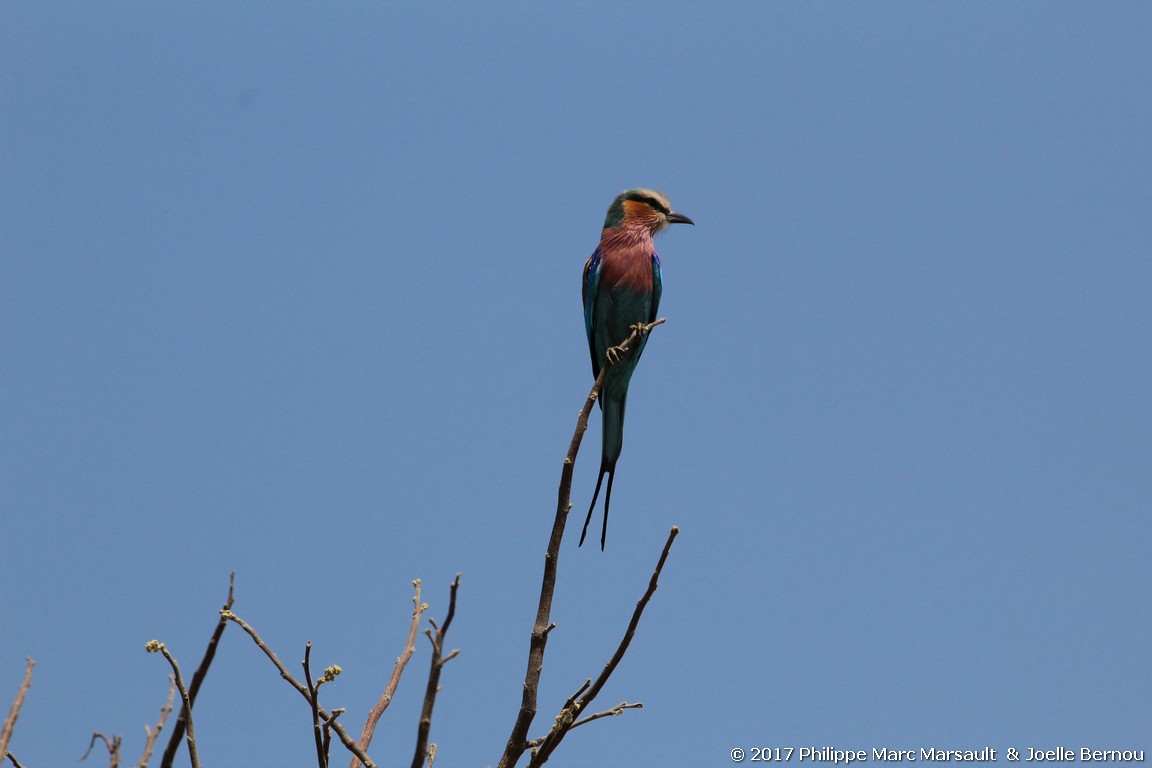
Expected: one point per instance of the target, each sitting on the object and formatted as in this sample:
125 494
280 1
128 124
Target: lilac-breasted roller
622 288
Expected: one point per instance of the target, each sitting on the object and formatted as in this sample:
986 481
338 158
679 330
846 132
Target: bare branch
152 647
438 662
153 733
14 711
112 745
641 604
518 739
580 690
567 719
565 711
328 731
616 710
394 680
15 763
317 732
342 734
198 676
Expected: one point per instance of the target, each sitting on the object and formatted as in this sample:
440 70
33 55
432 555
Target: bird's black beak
679 218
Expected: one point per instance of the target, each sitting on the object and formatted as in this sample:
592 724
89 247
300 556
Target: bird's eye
653 203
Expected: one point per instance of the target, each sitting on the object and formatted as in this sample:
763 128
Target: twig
152 647
328 731
568 716
112 745
317 733
15 763
565 711
438 662
342 734
518 740
14 711
615 711
641 604
153 733
394 680
198 676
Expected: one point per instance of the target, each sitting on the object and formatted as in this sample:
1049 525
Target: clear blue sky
293 290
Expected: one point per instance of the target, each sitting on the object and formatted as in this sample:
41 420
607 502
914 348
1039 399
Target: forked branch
570 715
328 717
518 740
111 744
154 732
439 659
198 676
154 646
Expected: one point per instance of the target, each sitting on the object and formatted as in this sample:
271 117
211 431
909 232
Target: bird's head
645 208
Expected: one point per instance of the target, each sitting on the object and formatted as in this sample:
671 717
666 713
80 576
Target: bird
621 289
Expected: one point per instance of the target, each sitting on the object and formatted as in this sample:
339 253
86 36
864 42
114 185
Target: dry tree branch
438 662
15 763
394 680
567 720
616 710
320 729
317 733
197 678
153 733
518 740
14 711
613 712
328 717
152 647
565 710
328 729
641 604
112 745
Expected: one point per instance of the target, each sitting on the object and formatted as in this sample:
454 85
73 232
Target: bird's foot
640 328
614 354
